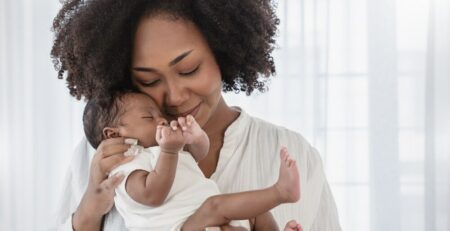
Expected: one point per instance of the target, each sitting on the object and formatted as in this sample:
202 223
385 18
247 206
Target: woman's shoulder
259 145
265 129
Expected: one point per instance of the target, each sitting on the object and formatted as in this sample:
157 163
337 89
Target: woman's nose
176 93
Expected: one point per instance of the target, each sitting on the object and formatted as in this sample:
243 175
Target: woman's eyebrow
144 69
171 63
179 58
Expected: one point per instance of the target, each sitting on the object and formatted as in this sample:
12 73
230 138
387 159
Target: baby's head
130 115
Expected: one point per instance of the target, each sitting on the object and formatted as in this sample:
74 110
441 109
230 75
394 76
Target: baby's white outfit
249 159
189 190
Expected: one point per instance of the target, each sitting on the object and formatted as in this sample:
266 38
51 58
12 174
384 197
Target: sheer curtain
368 83
365 81
39 121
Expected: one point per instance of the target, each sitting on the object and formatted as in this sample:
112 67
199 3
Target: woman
183 54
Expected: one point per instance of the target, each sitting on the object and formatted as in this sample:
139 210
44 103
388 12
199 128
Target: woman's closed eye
147 117
149 83
189 72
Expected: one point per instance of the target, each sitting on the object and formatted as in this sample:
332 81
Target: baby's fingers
190 120
182 122
174 125
165 132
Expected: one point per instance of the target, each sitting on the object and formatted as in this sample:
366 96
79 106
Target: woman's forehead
158 40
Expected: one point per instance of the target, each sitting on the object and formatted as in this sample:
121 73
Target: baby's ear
110 132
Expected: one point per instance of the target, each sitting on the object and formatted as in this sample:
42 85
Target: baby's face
140 118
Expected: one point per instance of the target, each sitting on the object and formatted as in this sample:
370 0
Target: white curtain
365 81
368 83
39 122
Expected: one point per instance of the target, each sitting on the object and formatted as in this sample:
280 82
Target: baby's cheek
151 138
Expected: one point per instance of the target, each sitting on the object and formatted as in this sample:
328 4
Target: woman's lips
192 112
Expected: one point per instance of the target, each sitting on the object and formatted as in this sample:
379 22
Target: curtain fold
437 171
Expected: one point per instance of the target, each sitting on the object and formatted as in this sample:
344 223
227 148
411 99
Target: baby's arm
152 188
197 142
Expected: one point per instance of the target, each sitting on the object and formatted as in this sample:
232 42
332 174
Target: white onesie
189 190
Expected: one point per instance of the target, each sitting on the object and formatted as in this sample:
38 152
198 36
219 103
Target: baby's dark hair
97 115
93 41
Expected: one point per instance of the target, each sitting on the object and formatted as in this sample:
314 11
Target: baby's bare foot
293 226
288 184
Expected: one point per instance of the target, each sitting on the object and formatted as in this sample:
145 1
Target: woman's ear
110 132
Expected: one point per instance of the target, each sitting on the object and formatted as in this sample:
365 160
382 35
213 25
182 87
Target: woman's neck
215 129
219 121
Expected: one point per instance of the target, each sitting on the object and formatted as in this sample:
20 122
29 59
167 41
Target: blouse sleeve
74 185
327 217
317 198
64 214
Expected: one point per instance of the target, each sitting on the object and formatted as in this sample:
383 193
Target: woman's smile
183 113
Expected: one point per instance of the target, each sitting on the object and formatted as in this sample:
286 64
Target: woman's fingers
109 163
116 140
113 181
111 146
113 149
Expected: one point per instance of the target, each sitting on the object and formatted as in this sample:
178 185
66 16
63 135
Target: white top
249 159
189 190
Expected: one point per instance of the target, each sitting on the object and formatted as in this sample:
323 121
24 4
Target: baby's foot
293 226
288 184
191 129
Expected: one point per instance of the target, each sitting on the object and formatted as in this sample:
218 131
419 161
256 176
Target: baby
164 189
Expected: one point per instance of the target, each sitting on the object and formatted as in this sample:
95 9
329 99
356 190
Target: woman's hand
99 196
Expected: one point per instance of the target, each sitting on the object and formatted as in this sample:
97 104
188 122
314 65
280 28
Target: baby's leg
221 209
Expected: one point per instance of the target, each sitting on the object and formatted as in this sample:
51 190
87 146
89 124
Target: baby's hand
293 226
190 128
170 140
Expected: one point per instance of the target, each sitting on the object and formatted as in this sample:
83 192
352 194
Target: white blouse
249 159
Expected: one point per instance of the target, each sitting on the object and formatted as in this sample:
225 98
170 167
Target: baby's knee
212 205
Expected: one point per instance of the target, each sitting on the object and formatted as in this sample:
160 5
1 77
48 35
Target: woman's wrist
86 217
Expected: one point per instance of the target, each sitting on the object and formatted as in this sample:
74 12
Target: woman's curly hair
93 41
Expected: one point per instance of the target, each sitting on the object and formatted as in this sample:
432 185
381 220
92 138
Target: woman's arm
264 222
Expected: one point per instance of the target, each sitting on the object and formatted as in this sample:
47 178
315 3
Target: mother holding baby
183 54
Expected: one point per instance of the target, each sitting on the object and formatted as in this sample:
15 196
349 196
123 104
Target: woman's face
174 65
